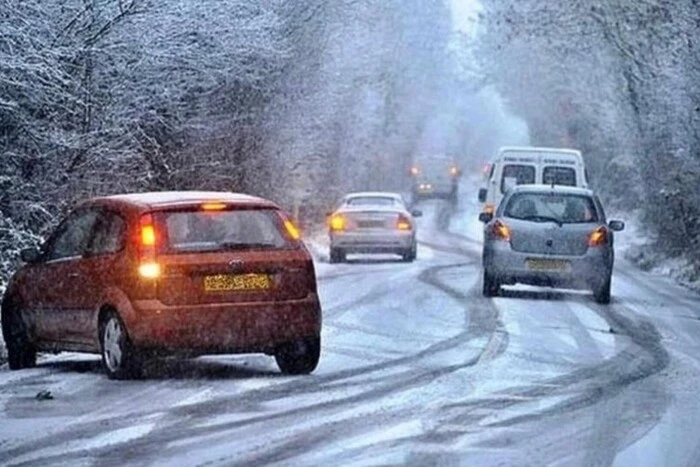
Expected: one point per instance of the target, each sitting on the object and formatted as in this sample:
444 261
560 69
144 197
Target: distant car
435 176
549 236
132 275
372 222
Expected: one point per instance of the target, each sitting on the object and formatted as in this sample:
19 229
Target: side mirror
30 255
416 213
485 217
482 195
616 225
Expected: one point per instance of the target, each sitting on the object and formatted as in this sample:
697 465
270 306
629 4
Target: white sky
464 13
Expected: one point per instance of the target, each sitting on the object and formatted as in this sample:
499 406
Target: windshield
564 209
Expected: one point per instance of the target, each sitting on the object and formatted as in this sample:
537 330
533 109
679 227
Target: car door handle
73 275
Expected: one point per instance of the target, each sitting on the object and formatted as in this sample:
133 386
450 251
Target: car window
564 208
246 229
519 174
557 175
109 234
72 236
372 201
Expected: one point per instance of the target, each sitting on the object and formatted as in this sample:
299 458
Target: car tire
336 255
491 285
410 255
119 357
21 353
601 292
300 357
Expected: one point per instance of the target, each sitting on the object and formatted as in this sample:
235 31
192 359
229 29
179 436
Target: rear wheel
21 353
410 254
491 285
119 357
336 255
601 292
300 357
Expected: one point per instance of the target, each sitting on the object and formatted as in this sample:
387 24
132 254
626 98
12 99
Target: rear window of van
557 175
519 174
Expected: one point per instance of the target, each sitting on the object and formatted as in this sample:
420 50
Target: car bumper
223 328
580 272
373 242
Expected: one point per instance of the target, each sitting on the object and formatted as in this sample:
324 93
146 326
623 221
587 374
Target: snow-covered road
417 368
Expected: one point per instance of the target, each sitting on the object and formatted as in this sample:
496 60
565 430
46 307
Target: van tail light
403 223
500 231
147 243
598 237
337 222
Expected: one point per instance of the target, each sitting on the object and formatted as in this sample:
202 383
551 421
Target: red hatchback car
134 275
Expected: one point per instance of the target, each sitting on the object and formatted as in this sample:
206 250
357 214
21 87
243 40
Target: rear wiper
543 219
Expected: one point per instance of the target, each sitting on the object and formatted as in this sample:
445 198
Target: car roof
573 190
373 194
165 199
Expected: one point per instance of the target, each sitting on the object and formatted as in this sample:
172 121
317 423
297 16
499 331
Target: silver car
372 222
550 236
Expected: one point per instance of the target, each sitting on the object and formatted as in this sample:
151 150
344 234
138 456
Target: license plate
370 224
547 264
237 282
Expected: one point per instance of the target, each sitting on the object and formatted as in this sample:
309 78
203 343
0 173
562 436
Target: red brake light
403 223
598 237
500 231
337 222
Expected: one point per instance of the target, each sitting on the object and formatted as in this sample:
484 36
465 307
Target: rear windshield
372 201
517 174
555 175
543 207
241 229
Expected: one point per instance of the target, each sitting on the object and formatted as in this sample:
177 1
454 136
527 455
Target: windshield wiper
543 219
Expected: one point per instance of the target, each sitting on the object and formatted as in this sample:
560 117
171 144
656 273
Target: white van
531 165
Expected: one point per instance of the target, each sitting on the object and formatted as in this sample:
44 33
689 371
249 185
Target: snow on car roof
184 197
551 188
373 194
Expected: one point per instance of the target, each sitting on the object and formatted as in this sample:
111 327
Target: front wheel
21 353
491 285
119 357
300 357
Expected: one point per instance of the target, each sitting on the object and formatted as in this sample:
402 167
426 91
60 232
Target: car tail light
598 237
293 231
500 231
148 240
403 223
337 222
